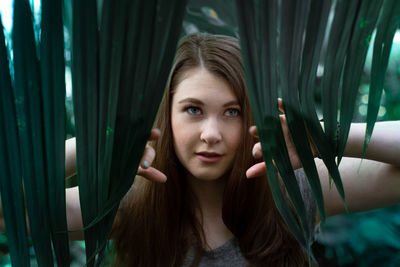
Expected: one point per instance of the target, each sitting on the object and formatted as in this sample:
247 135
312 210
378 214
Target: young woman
193 203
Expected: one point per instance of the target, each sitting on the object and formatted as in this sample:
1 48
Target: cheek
235 136
181 134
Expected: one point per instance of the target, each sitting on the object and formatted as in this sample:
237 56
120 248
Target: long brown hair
156 223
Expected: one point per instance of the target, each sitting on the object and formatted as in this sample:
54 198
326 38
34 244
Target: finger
148 157
154 134
280 105
253 131
152 174
257 151
282 117
256 170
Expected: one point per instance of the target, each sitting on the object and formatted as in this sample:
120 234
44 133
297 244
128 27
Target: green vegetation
363 239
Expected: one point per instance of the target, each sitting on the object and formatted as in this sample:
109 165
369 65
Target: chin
208 176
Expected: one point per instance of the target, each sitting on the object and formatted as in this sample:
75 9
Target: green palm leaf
293 23
355 59
39 106
297 49
340 33
120 66
118 81
85 97
30 122
12 198
53 92
339 38
319 12
388 23
258 32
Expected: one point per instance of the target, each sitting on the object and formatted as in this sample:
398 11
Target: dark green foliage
85 92
388 23
342 24
259 35
282 44
119 74
216 17
36 150
119 70
363 27
293 24
30 122
362 239
53 93
319 12
12 199
340 34
293 20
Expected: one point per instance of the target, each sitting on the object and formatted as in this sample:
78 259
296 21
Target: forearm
70 157
384 145
74 217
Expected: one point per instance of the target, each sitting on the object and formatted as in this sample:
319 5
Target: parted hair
156 223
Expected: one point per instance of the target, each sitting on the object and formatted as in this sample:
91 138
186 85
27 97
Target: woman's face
206 124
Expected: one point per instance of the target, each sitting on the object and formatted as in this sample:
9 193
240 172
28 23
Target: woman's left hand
259 168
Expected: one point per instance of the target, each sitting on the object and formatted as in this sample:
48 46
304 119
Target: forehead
202 84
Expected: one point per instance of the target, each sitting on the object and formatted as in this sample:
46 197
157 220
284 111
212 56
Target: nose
210 133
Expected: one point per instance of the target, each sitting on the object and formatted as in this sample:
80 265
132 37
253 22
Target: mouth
208 157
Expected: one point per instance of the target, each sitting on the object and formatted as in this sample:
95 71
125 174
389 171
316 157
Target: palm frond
37 148
85 97
135 47
289 61
319 12
52 69
12 198
29 116
292 27
355 59
258 31
122 53
389 21
339 38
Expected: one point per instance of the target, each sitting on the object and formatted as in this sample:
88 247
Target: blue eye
232 112
193 110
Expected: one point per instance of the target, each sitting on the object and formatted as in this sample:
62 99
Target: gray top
229 254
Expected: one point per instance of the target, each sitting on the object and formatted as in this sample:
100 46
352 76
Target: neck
209 195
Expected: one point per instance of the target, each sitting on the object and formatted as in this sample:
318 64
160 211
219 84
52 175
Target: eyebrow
199 102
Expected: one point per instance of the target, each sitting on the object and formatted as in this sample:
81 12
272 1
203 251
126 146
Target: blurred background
361 239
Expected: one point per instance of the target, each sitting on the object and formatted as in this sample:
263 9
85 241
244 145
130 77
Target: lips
208 157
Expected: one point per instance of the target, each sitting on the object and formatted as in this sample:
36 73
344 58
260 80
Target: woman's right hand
145 170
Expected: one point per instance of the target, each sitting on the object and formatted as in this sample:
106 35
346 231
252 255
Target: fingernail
255 152
146 164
